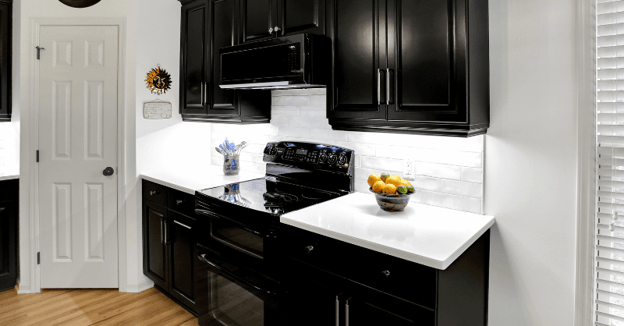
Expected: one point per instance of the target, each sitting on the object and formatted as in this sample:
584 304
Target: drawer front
155 192
314 249
181 202
398 277
9 190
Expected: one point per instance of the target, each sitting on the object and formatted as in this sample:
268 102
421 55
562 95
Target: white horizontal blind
610 137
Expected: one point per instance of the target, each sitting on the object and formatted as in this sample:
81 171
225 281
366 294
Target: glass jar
231 164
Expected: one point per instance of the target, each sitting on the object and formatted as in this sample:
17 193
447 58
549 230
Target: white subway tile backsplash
381 164
448 171
438 170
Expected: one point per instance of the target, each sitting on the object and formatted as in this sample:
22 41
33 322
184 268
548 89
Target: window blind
609 258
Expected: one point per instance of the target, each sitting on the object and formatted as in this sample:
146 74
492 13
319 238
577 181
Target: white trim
143 285
586 183
36 24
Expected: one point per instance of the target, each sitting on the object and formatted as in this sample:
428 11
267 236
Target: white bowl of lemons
391 192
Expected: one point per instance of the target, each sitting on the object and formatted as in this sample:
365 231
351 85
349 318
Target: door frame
33 116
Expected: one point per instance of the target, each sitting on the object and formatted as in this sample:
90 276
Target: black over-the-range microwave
296 61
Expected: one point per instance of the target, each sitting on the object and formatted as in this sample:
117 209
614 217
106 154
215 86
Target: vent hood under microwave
297 61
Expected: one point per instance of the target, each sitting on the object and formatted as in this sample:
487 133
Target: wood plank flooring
92 307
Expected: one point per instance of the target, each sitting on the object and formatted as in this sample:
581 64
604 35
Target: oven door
233 295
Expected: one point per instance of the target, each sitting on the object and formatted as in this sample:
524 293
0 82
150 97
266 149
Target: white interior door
77 141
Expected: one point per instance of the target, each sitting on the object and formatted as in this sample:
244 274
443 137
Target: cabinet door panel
422 56
194 58
302 16
5 60
375 308
358 31
154 250
182 248
8 245
257 17
224 34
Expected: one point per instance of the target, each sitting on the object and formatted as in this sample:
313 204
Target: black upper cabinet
258 19
410 66
207 26
263 19
5 60
195 58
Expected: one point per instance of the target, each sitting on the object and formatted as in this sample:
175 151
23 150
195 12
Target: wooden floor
91 307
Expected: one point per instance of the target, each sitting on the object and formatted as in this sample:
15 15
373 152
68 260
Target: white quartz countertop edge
162 182
191 180
413 257
9 174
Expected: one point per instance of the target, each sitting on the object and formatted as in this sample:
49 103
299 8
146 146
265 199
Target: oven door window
238 296
235 237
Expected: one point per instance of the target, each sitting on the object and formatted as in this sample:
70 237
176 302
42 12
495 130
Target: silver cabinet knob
277 29
154 192
271 30
386 273
309 249
179 201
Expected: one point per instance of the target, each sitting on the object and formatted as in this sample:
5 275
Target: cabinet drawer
181 202
155 192
313 249
398 277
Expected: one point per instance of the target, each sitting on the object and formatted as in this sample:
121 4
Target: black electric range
238 229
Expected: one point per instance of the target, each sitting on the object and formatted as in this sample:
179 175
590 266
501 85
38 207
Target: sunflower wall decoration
158 81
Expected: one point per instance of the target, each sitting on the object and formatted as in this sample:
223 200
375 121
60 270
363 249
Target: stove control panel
319 156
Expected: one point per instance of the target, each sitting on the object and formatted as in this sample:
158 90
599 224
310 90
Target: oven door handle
211 215
232 275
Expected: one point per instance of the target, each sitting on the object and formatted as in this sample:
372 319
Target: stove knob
322 158
342 160
301 158
332 159
273 150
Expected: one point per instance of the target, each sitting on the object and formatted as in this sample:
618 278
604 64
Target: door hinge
39 258
37 156
39 52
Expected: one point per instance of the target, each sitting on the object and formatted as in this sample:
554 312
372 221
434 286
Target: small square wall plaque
157 110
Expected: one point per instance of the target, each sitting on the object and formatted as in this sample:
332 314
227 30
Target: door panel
77 141
5 61
302 16
8 244
257 17
154 249
194 57
224 34
422 57
182 259
358 31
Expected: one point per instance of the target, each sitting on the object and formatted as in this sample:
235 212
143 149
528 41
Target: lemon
402 189
372 179
405 183
378 186
384 176
389 189
394 180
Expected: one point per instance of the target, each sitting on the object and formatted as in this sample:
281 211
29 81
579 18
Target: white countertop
189 181
427 235
9 173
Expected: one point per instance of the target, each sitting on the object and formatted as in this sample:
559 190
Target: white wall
9 147
29 9
448 170
530 176
162 144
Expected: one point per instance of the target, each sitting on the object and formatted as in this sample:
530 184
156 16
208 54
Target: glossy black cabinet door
5 61
301 16
8 244
224 33
357 28
427 63
194 58
258 19
155 256
182 248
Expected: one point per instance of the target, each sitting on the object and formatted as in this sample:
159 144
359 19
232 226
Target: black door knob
108 171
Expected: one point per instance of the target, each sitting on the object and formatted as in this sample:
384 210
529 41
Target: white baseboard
23 289
143 285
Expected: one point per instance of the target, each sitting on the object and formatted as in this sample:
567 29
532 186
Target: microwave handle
203 258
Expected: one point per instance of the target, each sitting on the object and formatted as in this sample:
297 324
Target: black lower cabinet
169 251
8 234
369 288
